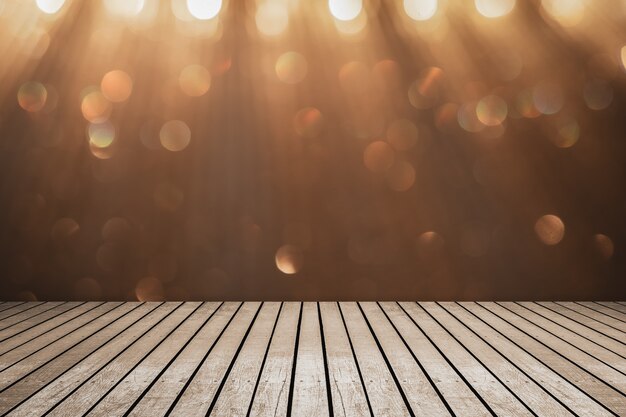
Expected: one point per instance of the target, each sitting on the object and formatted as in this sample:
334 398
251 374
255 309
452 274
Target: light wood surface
312 359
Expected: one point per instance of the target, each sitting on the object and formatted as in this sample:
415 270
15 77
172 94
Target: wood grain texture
312 359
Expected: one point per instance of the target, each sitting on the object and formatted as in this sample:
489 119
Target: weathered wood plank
103 365
524 387
596 315
418 389
163 393
348 395
19 383
583 359
21 348
586 321
272 393
574 374
17 309
590 334
568 340
236 393
615 306
381 389
199 394
604 310
309 396
39 319
9 304
29 313
457 393
121 397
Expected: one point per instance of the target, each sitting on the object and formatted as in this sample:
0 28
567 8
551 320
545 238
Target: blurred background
315 150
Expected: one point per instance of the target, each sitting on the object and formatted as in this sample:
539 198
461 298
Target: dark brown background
248 183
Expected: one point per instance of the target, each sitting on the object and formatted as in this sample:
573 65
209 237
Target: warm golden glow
491 110
50 6
420 9
126 8
604 245
550 229
566 12
95 106
291 67
204 9
289 259
32 96
272 17
175 135
195 80
494 8
149 289
345 9
116 86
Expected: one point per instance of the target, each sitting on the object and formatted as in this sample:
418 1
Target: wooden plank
308 394
236 394
457 393
39 319
583 359
35 310
574 374
586 361
586 332
9 304
17 309
165 390
19 382
604 310
422 395
615 306
94 346
382 391
348 395
272 393
567 340
197 397
596 315
121 397
501 400
75 391
10 372
13 352
586 321
533 394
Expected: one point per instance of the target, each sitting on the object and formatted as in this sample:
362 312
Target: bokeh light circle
32 96
345 9
289 259
291 67
195 80
116 86
550 229
420 9
175 135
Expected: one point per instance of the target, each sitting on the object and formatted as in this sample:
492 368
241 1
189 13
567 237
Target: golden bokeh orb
289 259
420 9
194 80
550 229
116 86
291 67
32 96
175 135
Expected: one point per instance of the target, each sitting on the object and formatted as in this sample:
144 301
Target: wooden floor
313 359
